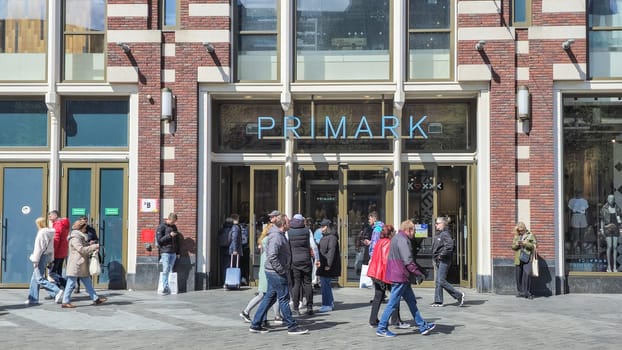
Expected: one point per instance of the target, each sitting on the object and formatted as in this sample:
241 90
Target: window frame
527 21
48 124
163 16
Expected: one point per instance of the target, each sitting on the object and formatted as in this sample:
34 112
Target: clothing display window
592 183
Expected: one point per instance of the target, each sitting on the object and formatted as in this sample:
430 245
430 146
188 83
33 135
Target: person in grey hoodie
277 266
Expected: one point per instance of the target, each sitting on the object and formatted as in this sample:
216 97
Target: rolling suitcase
233 275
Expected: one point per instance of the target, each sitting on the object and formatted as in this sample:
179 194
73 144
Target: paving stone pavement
210 320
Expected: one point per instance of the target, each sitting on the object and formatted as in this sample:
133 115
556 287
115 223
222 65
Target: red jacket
378 263
61 245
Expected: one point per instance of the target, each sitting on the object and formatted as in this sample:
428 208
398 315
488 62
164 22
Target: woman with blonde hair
42 253
78 264
524 242
262 286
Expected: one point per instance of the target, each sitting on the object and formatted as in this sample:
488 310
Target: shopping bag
94 266
365 281
172 282
534 264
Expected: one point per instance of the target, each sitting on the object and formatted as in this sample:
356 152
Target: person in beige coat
78 264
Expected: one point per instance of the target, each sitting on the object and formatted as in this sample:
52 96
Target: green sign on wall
78 211
111 211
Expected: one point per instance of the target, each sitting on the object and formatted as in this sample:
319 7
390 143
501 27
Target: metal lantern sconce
167 105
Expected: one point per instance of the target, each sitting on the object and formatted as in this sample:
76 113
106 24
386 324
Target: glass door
24 191
99 192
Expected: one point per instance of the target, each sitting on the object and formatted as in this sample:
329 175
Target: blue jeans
442 267
327 291
277 290
168 261
72 282
399 290
38 279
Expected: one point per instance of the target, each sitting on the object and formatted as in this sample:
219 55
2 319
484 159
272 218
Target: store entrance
345 195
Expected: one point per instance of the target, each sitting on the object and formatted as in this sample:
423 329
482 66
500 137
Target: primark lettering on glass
338 129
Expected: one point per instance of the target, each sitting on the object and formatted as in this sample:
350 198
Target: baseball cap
298 217
275 213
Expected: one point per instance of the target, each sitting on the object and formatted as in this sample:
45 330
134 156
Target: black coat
301 248
329 256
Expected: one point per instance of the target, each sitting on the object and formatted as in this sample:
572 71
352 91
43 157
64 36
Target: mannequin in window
578 221
610 226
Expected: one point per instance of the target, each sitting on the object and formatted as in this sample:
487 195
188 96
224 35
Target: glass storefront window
84 40
24 123
23 40
605 38
438 127
343 40
257 40
352 127
235 127
592 182
102 123
429 40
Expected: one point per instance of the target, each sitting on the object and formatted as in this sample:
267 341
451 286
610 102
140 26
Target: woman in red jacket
376 270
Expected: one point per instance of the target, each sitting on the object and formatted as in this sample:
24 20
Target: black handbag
524 256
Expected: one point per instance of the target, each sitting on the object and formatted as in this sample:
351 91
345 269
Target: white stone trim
168 179
549 6
213 74
522 47
134 36
487 33
474 72
168 50
522 178
523 211
200 36
168 75
557 32
168 206
478 7
168 153
127 10
122 74
522 73
569 71
208 10
522 152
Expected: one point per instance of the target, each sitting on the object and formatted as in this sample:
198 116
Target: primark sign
341 128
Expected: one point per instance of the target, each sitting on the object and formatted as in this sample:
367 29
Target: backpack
224 237
244 234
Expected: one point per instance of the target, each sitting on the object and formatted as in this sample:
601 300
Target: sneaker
47 297
325 308
402 325
297 330
245 316
295 313
265 324
309 311
371 325
385 333
428 328
461 299
59 296
258 329
30 302
67 306
278 321
100 300
436 305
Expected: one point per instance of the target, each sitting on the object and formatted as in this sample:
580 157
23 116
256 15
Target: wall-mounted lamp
126 48
209 47
567 44
522 103
480 45
167 105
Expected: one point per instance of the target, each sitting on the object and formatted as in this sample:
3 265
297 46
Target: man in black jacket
301 263
442 250
168 241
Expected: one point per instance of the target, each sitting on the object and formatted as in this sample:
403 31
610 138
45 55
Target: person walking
42 253
169 243
330 264
302 265
377 272
401 271
78 265
524 241
61 246
91 238
262 287
278 263
442 251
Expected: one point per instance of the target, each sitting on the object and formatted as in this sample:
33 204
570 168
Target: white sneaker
59 297
403 325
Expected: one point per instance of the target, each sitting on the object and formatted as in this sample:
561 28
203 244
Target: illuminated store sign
340 130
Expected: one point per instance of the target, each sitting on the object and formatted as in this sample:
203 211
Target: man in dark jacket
330 264
168 241
442 250
301 263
